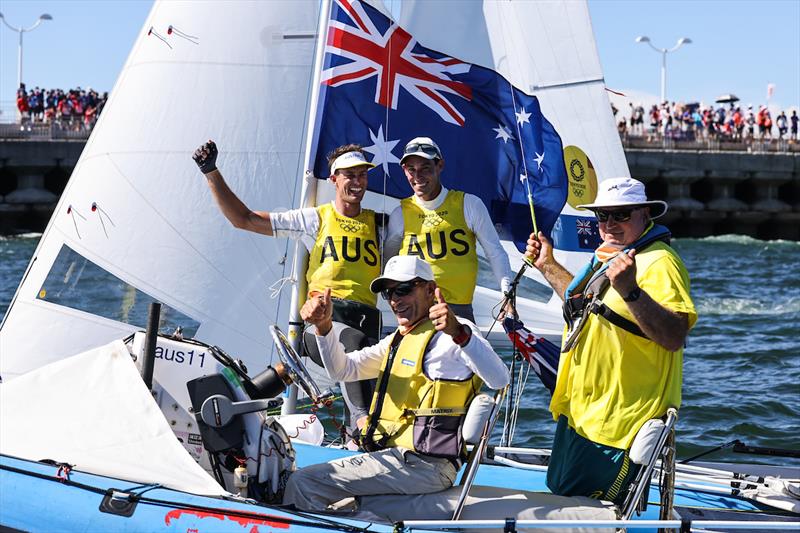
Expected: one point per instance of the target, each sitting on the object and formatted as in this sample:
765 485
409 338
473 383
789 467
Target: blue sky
738 46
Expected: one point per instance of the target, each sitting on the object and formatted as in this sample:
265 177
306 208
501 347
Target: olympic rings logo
350 226
577 176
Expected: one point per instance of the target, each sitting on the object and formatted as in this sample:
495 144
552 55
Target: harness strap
599 308
436 411
587 288
368 441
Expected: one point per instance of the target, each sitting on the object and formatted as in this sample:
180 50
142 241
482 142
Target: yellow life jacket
412 411
345 255
443 238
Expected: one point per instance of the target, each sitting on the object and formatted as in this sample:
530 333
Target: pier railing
40 131
712 144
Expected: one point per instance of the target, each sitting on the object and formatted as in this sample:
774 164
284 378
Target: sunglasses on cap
623 215
425 148
401 289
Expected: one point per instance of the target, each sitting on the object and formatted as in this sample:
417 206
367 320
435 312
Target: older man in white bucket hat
429 369
628 314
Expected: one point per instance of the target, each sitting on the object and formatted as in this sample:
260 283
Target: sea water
741 363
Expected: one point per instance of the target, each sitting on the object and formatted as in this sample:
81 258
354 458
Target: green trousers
580 467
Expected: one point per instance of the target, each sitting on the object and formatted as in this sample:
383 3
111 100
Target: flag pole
308 198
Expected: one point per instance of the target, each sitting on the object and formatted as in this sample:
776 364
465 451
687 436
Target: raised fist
206 157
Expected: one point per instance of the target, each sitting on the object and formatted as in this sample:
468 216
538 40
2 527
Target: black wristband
633 295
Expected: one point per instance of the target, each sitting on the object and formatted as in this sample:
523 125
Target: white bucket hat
350 160
625 192
402 268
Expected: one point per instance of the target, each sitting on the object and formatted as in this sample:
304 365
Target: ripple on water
747 306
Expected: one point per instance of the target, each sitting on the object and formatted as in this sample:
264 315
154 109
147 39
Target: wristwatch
463 337
633 295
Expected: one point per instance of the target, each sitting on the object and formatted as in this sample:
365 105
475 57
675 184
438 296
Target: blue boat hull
34 498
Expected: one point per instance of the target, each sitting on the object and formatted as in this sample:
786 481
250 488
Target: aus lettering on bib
437 245
443 238
349 249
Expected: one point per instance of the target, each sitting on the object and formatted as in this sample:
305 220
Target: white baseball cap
625 192
402 268
350 160
423 147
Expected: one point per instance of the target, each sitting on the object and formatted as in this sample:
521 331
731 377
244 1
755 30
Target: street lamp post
21 30
663 52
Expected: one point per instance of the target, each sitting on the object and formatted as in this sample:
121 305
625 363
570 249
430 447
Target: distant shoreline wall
709 192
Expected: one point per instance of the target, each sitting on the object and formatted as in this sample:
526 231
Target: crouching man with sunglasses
628 314
428 371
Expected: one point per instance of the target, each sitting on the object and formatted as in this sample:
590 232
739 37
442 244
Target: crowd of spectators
76 109
730 122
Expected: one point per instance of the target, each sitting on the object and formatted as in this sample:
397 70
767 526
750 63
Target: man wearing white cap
428 371
342 240
441 226
628 314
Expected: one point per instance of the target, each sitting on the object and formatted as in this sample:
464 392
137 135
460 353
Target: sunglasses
425 148
622 215
401 289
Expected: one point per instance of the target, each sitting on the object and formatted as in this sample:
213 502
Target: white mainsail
155 226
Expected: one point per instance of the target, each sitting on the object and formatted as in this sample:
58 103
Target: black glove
206 157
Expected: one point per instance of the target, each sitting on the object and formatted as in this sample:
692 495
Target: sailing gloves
206 157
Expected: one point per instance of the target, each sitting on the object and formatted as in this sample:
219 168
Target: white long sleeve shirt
300 224
444 359
478 221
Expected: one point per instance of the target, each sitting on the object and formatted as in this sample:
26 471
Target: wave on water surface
20 236
746 306
739 239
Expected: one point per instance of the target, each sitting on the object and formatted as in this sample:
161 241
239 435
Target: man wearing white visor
428 371
442 226
628 314
344 252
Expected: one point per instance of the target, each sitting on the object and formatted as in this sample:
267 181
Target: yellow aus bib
444 240
415 412
345 255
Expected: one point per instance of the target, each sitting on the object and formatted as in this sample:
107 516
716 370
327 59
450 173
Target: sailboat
84 442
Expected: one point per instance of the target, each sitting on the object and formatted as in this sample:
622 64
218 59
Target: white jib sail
140 211
94 412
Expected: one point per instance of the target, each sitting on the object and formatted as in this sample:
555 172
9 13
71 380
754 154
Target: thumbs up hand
318 310
442 316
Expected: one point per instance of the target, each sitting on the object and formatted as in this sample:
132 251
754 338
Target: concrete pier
710 192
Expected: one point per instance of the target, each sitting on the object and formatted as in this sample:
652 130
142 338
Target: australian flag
381 88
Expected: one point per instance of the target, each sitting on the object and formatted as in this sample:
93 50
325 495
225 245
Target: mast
308 198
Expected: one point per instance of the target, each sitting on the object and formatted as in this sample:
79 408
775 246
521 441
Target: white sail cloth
94 412
156 227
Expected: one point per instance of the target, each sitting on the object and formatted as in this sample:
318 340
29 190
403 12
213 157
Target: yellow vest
418 413
345 255
612 381
444 240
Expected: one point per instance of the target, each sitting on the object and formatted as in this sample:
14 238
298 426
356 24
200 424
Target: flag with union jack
381 88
